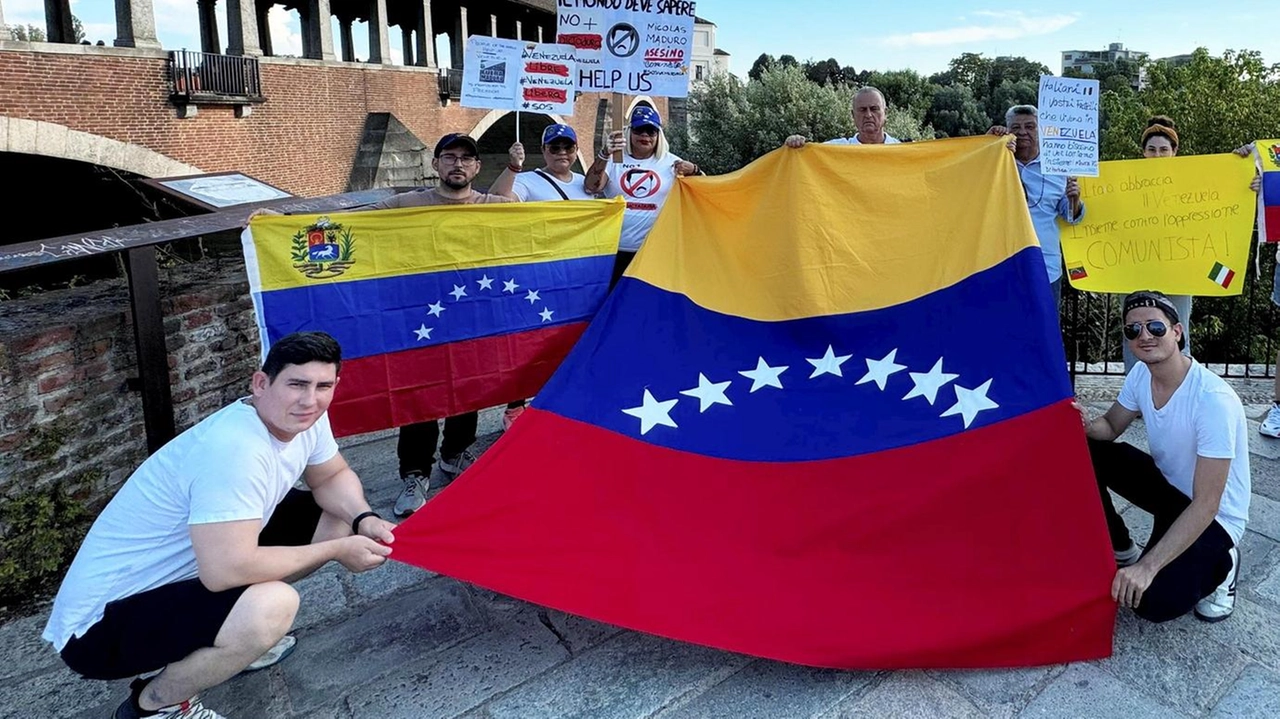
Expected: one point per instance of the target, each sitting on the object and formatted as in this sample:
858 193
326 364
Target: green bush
40 531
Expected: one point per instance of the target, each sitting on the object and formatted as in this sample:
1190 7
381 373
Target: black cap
1154 299
457 138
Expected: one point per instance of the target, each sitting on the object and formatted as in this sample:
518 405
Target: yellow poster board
1181 225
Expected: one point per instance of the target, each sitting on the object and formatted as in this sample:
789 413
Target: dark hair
1161 126
301 348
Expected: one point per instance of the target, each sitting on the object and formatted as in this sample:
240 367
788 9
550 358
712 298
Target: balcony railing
201 77
450 83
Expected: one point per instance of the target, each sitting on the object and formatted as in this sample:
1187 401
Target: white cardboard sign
1068 123
517 75
635 47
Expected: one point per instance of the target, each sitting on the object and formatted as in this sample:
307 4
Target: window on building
699 72
702 38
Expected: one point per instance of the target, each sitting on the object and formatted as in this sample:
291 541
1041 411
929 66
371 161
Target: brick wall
302 139
68 410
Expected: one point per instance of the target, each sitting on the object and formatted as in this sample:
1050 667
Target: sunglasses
646 130
1157 328
561 149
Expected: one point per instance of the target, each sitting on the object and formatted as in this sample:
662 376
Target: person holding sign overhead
1160 139
555 180
1048 196
645 177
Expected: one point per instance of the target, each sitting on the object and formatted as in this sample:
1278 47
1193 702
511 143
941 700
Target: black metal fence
1234 336
206 76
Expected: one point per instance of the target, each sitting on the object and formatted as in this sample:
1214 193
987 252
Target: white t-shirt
225 469
645 184
533 186
888 140
1203 418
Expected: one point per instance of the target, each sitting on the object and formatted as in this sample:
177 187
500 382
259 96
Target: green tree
824 71
955 112
762 63
905 89
27 33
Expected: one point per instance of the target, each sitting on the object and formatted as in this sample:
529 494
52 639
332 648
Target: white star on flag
764 375
878 371
928 383
510 286
485 283
459 292
435 309
545 314
652 413
532 296
969 402
708 393
828 363
423 332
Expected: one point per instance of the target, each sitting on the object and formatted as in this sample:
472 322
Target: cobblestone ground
401 642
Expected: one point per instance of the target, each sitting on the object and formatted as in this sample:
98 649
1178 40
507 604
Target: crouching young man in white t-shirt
1195 482
186 569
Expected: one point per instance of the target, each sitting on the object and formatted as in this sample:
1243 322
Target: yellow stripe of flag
388 243
839 229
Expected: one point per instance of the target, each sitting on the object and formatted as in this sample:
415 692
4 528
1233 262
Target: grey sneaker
274 655
1220 604
1128 557
413 496
451 467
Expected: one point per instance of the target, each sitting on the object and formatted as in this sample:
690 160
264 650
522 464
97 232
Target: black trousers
416 447
1192 575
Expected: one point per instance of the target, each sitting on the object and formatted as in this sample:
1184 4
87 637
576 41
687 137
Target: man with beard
457 162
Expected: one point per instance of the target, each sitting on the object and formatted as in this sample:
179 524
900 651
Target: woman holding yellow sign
1160 139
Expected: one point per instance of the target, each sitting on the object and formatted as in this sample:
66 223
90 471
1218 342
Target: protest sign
1068 122
518 75
1268 156
1181 225
638 47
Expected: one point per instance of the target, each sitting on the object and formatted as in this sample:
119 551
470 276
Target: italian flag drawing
1222 275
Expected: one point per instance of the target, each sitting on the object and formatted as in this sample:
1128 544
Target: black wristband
355 523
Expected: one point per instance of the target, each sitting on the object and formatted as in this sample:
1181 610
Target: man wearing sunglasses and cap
1195 483
555 180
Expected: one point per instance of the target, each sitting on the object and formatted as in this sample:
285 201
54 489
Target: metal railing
1236 337
450 83
203 76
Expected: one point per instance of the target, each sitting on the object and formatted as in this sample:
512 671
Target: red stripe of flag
904 558
1272 216
392 390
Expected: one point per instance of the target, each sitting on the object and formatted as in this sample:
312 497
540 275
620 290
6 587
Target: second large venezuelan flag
824 419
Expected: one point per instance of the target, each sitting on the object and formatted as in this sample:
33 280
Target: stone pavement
400 642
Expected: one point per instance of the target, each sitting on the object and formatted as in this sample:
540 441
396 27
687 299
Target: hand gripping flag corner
824 419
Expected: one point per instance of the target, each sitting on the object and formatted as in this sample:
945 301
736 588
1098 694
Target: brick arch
36 137
492 118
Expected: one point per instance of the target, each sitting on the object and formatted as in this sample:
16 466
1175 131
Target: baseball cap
643 115
457 138
556 132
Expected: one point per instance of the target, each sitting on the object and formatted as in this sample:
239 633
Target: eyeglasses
1157 328
560 149
464 160
646 130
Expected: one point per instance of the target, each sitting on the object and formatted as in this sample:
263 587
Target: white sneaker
274 655
413 496
451 467
1271 424
192 708
1219 605
1128 557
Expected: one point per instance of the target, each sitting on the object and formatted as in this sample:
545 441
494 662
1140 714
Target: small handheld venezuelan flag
1269 194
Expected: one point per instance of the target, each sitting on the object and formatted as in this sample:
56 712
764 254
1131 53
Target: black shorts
149 630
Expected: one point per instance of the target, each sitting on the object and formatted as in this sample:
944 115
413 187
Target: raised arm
505 184
596 176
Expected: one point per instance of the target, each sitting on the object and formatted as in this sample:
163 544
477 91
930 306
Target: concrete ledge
59 48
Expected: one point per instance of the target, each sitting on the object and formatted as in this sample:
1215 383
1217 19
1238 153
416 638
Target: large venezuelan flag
825 419
439 310
1269 194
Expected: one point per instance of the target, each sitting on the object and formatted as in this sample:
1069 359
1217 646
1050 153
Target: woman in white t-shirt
555 180
645 177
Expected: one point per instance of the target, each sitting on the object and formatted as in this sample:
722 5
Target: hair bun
1162 121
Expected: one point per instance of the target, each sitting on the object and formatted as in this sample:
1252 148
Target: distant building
706 59
1083 61
1177 60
